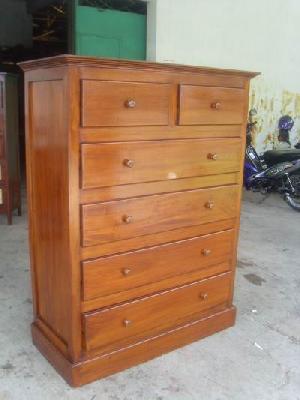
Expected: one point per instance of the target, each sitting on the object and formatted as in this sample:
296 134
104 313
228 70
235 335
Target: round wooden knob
130 103
128 163
216 105
127 322
127 219
209 205
126 271
212 156
203 296
206 252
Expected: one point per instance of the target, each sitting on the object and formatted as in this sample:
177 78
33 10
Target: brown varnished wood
210 105
127 323
52 353
10 193
113 164
88 370
155 239
142 189
154 287
29 173
72 93
60 344
106 103
105 222
136 66
159 76
53 249
49 165
91 218
128 133
109 275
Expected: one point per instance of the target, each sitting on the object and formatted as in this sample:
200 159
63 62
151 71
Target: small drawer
125 103
109 275
111 164
200 105
124 219
128 323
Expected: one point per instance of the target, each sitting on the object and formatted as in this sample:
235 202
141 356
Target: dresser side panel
47 159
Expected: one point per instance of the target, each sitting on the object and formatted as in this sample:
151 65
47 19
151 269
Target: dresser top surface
83 61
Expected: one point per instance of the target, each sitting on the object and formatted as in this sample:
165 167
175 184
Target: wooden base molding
86 371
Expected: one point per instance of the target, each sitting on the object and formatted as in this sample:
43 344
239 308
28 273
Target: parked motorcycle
282 177
284 151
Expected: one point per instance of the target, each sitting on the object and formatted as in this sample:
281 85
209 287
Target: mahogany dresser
10 198
134 186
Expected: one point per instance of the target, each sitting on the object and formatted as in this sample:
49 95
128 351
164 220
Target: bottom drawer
124 324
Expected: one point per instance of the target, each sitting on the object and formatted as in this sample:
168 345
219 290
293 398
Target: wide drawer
109 275
117 220
127 323
200 105
112 164
125 103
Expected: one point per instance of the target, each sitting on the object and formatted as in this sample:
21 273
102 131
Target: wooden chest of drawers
134 186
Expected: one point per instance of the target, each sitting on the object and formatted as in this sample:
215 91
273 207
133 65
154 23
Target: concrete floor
258 359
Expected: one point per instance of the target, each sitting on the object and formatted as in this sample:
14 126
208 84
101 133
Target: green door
109 33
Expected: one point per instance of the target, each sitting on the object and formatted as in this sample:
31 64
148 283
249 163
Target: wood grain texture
48 143
52 191
10 190
129 133
88 370
139 242
148 188
72 97
155 286
113 164
107 222
125 103
109 275
210 105
135 66
133 251
128 323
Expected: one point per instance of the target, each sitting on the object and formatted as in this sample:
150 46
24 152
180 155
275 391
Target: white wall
258 35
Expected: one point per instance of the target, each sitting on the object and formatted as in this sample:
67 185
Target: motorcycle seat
272 157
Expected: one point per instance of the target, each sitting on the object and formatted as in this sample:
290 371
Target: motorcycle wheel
293 201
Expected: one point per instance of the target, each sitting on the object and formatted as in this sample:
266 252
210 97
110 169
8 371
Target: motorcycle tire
292 201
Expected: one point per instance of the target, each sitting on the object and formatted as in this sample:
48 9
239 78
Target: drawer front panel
117 220
125 103
123 272
201 105
123 163
130 322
